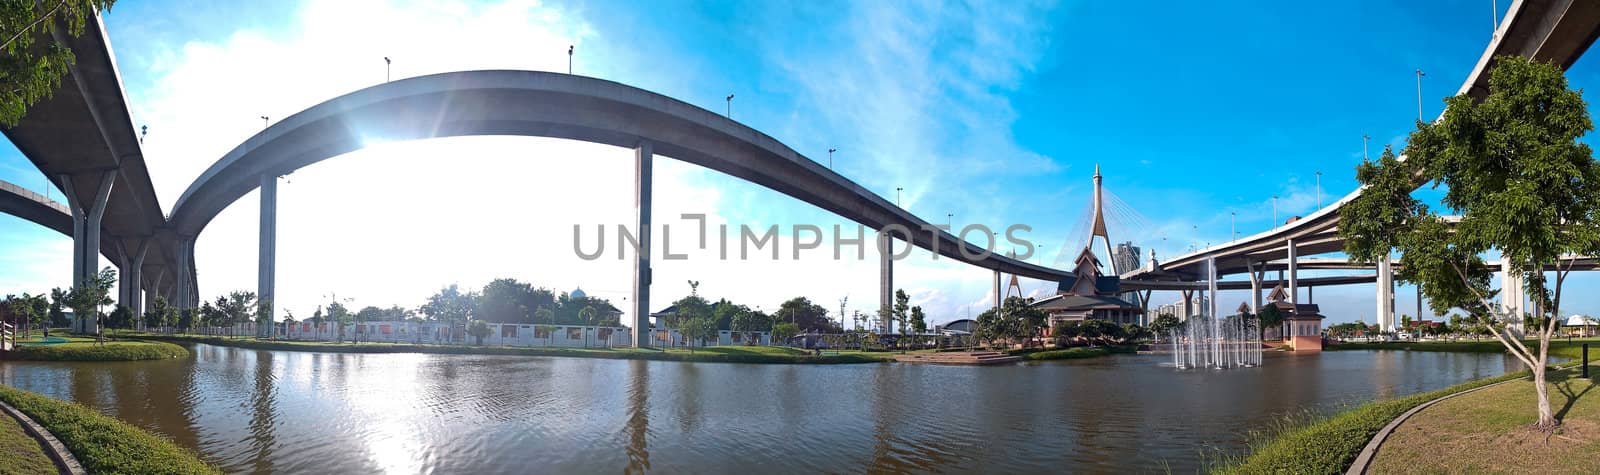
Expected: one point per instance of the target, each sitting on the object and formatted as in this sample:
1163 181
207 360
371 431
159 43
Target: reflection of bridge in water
84 141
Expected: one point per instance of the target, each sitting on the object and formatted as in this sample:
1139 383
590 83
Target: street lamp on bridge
1274 211
1319 189
830 157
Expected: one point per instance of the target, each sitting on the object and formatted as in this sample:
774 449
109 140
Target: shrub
101 443
111 351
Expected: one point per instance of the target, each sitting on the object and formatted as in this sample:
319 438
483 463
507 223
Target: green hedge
707 355
1558 346
111 351
1041 354
101 443
1330 445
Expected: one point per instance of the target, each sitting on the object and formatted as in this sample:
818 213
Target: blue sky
995 112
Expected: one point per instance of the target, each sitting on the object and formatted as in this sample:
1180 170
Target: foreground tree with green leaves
1513 167
31 70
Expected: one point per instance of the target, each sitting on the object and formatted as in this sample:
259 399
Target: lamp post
569 59
730 106
1420 74
830 157
263 122
386 67
1233 224
1364 139
950 220
897 191
1274 211
1319 189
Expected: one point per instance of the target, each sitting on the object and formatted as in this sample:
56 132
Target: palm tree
588 315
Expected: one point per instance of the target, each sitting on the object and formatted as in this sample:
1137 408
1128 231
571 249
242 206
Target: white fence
500 334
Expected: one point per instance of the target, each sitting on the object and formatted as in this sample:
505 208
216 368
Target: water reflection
638 426
255 411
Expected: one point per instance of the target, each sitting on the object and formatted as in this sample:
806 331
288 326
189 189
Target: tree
902 304
478 329
544 315
991 326
121 317
697 328
161 314
449 305
919 321
784 331
1066 331
1513 166
805 315
58 298
1021 319
32 71
508 301
86 298
1268 317
1405 322
749 321
1163 324
589 315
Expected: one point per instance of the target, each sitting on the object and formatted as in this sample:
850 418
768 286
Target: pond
255 411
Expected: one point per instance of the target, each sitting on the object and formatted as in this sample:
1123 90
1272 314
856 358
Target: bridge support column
183 282
998 300
131 279
266 270
1512 294
1385 298
886 281
155 290
1255 287
1211 286
1188 304
86 218
1294 273
643 165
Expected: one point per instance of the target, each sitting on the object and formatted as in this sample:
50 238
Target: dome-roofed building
578 293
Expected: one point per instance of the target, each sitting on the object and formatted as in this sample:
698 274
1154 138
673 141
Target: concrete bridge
1557 31
83 139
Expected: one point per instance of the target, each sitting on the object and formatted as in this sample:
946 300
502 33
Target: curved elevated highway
543 104
1557 31
83 139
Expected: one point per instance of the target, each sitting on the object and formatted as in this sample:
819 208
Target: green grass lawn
1329 445
1558 346
716 354
20 452
102 443
85 349
1489 432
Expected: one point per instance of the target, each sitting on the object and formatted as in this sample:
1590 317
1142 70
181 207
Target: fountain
1209 341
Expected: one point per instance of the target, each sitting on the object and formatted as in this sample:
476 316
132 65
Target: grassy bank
101 443
1329 445
20 452
85 349
1072 353
1558 347
1452 435
718 354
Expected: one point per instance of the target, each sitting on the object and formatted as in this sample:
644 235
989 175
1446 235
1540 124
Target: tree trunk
1547 419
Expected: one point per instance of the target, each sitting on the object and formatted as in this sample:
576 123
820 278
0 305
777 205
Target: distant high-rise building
1126 256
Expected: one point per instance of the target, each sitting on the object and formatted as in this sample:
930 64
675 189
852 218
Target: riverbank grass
85 349
101 443
1489 431
1563 347
714 354
20 452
